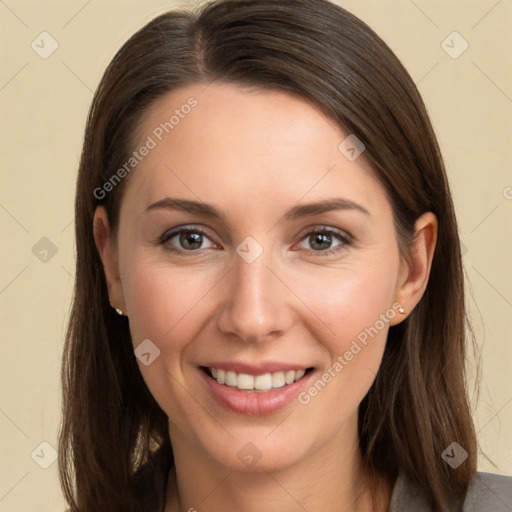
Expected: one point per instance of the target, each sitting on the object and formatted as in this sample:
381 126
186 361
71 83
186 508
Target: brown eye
320 241
325 241
191 240
186 240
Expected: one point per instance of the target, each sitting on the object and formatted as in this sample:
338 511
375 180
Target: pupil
191 240
320 241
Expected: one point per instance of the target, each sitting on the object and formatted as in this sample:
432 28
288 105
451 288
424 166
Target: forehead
225 143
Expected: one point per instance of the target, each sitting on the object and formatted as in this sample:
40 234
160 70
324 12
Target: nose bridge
255 304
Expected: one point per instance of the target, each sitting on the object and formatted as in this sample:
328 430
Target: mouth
256 393
255 383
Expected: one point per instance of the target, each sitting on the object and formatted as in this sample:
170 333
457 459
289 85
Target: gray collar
488 492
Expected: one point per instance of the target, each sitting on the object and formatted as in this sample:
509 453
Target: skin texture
254 155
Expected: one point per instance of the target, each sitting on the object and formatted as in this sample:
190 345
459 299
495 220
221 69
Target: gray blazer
487 493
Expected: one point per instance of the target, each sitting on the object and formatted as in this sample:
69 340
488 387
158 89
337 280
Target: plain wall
43 107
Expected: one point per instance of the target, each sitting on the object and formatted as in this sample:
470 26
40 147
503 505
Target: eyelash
344 239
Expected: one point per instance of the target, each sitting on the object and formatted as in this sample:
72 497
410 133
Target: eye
186 239
324 241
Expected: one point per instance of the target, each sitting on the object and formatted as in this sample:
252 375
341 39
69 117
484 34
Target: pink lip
255 369
253 404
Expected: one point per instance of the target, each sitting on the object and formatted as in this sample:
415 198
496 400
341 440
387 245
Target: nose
256 304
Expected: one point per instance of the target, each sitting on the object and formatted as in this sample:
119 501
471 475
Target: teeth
278 380
245 381
264 382
299 374
231 379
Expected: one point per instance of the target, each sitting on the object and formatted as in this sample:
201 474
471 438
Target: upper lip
255 368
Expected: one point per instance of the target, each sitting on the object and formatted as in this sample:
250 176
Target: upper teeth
264 382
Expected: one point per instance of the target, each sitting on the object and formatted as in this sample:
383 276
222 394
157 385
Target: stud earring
401 310
119 312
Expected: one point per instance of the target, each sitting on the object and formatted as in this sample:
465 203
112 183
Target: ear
415 270
108 254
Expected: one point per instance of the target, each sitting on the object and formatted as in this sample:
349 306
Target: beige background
43 106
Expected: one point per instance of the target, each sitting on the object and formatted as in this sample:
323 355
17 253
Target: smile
256 383
255 389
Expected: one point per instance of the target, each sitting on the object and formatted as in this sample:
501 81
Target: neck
329 479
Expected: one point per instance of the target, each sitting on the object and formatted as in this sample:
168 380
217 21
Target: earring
401 310
119 312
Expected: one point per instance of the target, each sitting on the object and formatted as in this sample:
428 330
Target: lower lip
255 403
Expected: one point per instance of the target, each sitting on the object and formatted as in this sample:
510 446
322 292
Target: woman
269 309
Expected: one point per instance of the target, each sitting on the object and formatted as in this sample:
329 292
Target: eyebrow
303 210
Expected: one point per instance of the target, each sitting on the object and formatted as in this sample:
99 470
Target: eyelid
319 228
179 229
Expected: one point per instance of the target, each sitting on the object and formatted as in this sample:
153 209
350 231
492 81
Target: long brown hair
418 404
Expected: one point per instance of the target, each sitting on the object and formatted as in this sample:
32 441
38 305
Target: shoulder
489 492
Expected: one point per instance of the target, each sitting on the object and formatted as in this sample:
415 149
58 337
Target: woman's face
250 246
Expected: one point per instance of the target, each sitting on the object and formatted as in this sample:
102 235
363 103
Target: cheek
168 306
349 299
353 308
166 302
